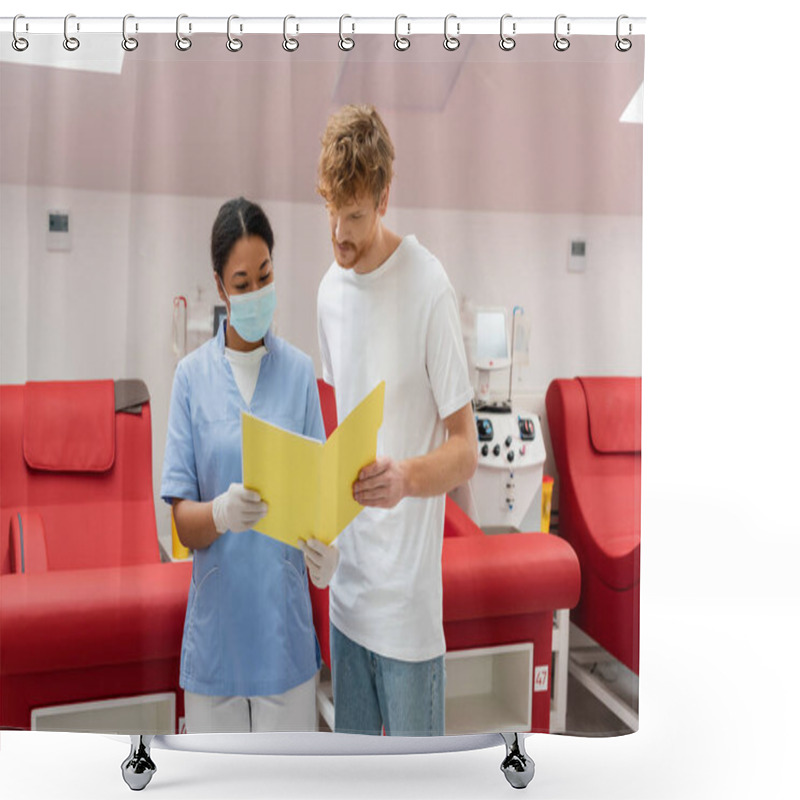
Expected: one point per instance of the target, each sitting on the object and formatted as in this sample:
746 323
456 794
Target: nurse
249 655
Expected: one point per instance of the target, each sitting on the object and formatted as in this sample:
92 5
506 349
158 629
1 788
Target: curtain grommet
183 43
346 43
507 42
129 43
401 43
561 43
451 43
71 43
233 44
19 43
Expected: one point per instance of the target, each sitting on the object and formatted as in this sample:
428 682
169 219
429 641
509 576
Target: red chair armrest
508 574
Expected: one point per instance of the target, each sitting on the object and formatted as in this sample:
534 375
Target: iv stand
513 341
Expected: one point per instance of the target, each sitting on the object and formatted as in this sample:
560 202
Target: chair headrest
130 395
69 426
615 413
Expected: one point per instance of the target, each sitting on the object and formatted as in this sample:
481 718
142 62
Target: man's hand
382 484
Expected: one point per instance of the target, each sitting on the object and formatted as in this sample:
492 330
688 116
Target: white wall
105 309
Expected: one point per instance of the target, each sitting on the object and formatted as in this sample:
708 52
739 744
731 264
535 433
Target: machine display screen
490 335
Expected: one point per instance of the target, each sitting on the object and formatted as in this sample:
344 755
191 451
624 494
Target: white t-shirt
400 324
245 366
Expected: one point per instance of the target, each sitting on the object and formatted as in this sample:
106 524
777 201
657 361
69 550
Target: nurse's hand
237 510
321 561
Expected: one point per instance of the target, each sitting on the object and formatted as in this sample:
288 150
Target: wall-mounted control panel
577 255
59 236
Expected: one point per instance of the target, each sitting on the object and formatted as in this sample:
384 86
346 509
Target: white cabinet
151 713
489 689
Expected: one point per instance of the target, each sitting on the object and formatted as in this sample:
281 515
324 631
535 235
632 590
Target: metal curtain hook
345 42
290 44
451 42
401 42
18 42
561 43
70 42
623 45
129 43
233 44
182 42
507 42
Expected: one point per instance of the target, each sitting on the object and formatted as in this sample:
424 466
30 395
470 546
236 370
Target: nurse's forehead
243 268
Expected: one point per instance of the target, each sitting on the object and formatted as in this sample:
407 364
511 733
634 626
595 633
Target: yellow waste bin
547 502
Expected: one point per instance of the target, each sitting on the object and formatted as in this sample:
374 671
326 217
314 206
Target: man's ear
384 201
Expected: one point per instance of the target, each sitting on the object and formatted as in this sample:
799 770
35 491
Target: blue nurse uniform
248 629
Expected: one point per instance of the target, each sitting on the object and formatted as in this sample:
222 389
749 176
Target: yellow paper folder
308 485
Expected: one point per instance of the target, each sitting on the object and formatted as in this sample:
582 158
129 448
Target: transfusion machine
505 494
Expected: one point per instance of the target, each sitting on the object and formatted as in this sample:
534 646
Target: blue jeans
372 692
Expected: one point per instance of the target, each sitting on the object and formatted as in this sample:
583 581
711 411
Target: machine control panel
507 484
485 429
502 439
527 431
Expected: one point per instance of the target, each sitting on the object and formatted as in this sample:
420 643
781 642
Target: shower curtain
518 169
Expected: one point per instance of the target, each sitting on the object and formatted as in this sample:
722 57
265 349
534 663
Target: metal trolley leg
138 768
518 766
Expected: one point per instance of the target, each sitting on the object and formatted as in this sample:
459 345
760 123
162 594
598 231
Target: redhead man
386 311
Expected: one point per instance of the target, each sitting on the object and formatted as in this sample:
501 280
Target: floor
587 716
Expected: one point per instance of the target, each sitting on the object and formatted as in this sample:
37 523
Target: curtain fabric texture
515 203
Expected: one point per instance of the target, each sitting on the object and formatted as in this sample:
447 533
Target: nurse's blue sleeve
179 475
314 426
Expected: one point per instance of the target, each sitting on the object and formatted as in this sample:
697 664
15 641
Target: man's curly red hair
356 158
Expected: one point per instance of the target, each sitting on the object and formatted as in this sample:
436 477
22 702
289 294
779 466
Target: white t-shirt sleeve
324 350
445 358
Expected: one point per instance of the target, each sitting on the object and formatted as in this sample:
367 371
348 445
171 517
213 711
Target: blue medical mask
252 312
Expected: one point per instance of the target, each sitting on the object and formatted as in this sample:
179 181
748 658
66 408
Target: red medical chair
88 612
497 590
595 428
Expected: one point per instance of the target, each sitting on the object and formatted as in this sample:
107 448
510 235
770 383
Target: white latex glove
237 510
321 561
